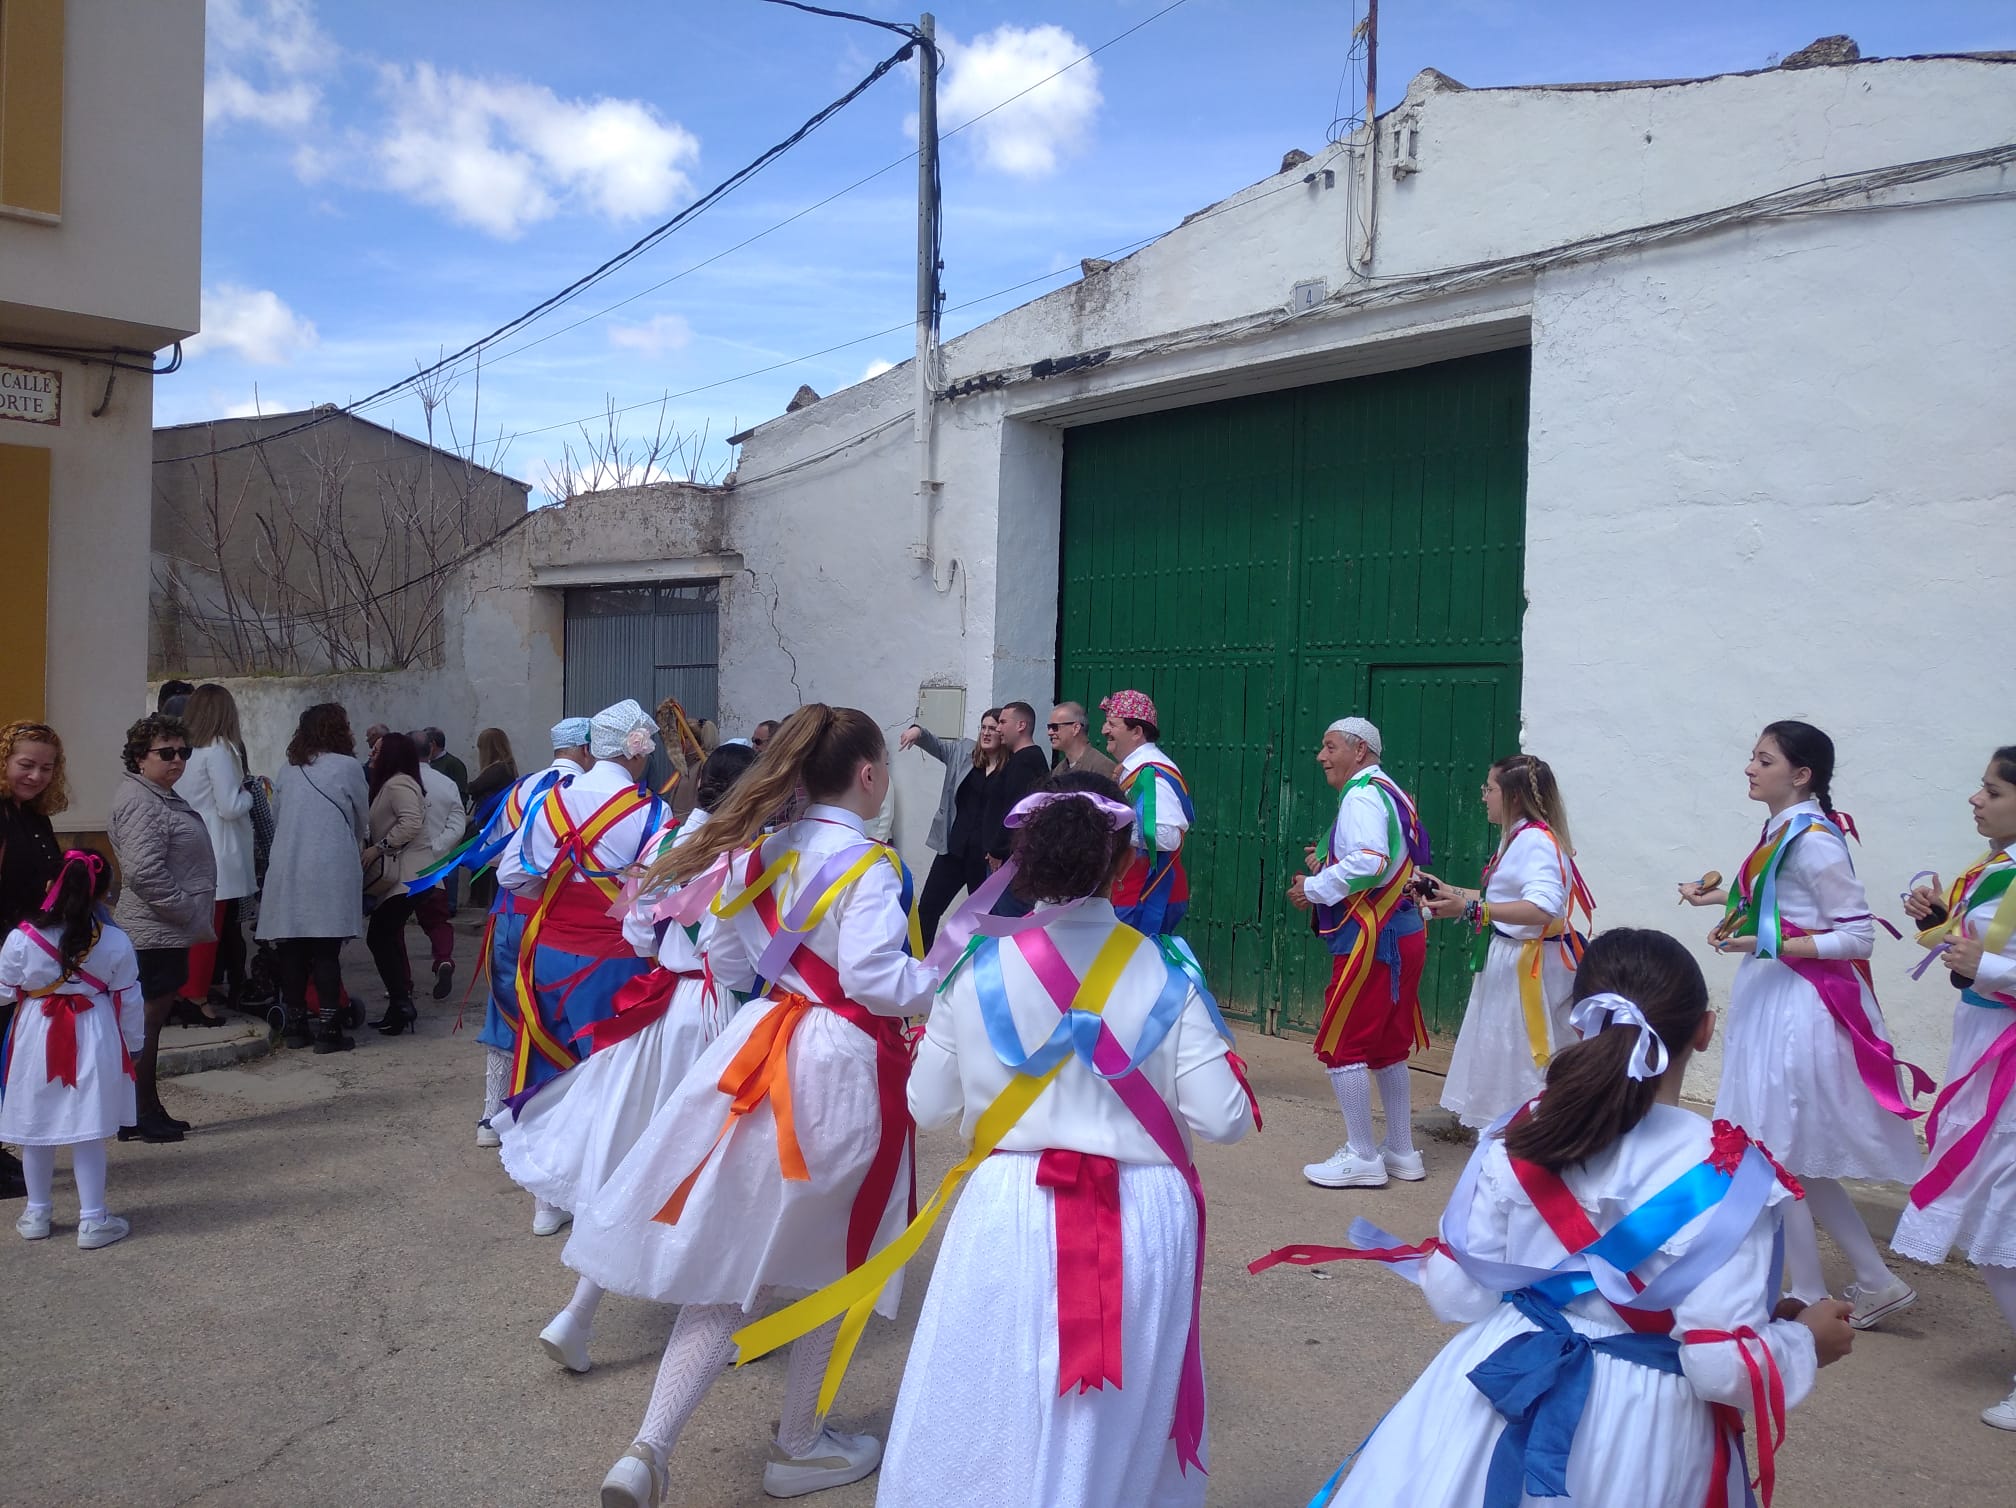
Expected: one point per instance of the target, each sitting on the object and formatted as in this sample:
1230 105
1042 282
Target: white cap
623 731
570 732
1360 729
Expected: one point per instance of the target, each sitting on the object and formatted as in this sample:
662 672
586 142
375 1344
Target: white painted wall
124 263
1806 413
1773 478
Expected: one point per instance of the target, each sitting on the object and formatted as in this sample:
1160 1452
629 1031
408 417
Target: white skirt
1646 1439
979 1419
36 1112
569 1137
1978 1213
1789 1079
745 1226
1492 1069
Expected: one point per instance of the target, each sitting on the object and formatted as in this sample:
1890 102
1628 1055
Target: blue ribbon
1539 1382
1076 1031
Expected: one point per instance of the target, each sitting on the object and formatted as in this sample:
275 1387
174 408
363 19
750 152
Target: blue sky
384 182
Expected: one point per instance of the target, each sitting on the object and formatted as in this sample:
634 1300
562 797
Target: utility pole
927 273
1372 66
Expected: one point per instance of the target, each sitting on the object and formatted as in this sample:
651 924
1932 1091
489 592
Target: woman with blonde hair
217 785
1527 950
781 1161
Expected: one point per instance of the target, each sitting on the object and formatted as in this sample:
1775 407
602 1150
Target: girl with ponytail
1627 1375
1808 1069
1526 946
66 1068
782 1160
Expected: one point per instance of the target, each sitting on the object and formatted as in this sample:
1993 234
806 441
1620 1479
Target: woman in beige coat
397 853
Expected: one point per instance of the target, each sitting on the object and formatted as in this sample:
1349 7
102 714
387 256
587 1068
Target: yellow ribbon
854 1294
787 863
1532 999
2001 923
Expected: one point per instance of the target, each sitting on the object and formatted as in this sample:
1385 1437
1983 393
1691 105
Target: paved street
331 1297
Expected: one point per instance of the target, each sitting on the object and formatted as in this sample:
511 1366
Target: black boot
399 1014
152 1126
331 1039
297 1032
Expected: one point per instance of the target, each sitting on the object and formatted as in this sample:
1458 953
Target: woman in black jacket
32 790
958 832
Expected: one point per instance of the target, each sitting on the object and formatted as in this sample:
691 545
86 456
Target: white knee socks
38 1169
496 1078
697 1353
1396 1098
1806 1282
1837 1215
2001 1283
87 1164
798 1422
1352 1085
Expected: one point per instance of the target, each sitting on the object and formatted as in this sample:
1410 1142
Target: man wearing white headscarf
1358 886
509 913
568 860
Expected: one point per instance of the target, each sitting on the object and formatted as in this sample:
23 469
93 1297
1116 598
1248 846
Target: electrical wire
898 27
636 249
840 193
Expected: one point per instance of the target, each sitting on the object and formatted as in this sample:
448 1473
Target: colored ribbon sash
1532 950
61 1008
580 921
1838 983
1539 1382
1371 911
1090 1266
1948 1163
638 1003
852 1298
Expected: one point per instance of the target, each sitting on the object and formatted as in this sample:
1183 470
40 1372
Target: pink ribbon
959 927
1839 985
689 903
1948 1165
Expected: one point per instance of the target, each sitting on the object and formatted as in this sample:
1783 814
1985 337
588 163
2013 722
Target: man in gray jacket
168 881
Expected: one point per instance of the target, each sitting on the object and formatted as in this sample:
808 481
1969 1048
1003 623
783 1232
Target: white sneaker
1874 1305
1405 1166
1340 1170
835 1461
566 1341
33 1224
486 1134
92 1234
550 1219
635 1481
2001 1415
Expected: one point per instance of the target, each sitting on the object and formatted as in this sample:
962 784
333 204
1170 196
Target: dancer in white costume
1517 1018
1807 1066
1967 1196
1080 1197
66 1067
782 1160
509 913
1614 1379
569 1136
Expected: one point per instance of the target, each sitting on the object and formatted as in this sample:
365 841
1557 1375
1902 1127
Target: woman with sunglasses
168 882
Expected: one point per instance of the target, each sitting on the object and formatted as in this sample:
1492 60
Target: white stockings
496 1079
1353 1087
1396 1098
87 1164
699 1351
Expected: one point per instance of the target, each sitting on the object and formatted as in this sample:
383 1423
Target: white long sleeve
1733 1297
1361 837
1819 891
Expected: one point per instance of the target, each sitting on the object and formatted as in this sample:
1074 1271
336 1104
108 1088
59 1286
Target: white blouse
957 1074
1530 869
1819 891
532 846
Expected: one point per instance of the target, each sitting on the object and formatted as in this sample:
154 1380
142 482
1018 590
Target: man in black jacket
1025 770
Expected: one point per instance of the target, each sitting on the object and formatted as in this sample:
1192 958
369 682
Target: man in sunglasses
168 878
1071 737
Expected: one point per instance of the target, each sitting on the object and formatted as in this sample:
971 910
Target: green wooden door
1263 566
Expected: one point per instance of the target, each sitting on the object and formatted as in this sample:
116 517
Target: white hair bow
1649 1058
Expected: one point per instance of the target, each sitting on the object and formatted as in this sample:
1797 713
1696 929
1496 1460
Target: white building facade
1605 422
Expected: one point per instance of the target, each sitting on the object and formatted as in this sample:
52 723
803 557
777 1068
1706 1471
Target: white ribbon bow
1649 1057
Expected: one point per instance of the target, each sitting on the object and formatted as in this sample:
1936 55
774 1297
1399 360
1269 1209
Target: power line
841 193
898 27
636 249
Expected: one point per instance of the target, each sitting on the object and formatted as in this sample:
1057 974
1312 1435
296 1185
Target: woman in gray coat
167 882
314 893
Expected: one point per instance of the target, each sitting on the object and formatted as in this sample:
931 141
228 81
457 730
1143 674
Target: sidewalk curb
255 1040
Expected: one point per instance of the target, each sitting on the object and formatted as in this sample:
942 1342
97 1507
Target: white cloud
254 322
502 154
263 52
658 336
876 368
1028 137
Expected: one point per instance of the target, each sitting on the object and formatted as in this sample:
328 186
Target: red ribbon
1767 1402
1089 1266
638 1003
63 1011
1316 1256
1239 1072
